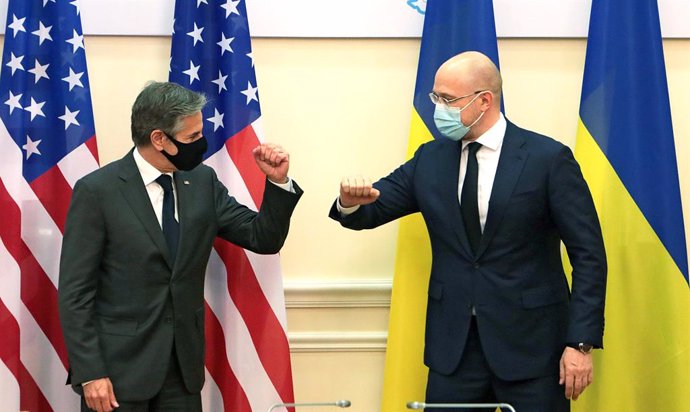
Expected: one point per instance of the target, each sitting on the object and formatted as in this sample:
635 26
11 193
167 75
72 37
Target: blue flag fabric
211 53
45 83
625 107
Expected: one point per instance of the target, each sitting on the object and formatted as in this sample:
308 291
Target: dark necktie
171 229
468 198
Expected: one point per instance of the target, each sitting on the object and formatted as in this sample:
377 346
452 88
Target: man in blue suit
502 324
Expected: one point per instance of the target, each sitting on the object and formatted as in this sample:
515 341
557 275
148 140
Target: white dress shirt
487 159
149 174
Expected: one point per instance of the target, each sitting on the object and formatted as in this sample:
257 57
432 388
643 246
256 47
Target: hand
99 395
357 190
576 372
273 161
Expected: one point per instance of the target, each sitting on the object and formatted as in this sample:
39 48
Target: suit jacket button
168 319
476 265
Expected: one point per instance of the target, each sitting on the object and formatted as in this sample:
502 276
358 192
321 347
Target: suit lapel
135 193
510 164
448 179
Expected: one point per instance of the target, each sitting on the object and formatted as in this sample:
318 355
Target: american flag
247 350
47 142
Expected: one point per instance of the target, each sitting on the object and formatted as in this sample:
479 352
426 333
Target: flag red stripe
234 398
264 328
37 290
240 149
54 192
93 147
9 340
30 396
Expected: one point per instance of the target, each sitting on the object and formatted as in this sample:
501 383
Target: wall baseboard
374 293
309 342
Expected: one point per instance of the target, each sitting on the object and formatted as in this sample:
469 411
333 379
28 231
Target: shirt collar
149 174
492 138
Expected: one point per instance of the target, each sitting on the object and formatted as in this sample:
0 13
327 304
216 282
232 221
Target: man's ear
486 100
157 139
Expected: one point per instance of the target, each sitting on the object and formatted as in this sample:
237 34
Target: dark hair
162 106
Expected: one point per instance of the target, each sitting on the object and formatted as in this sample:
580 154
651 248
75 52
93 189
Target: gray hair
162 106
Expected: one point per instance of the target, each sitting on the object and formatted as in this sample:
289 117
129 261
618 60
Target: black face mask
189 155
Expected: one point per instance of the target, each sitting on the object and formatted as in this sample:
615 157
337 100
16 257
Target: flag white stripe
10 389
211 398
39 231
270 278
11 164
36 352
242 356
257 125
42 236
41 360
10 282
77 164
230 176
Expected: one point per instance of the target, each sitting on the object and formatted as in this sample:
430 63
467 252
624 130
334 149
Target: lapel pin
185 182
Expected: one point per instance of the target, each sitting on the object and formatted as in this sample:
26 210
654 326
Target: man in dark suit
502 324
138 237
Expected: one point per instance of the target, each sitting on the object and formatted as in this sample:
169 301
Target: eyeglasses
436 99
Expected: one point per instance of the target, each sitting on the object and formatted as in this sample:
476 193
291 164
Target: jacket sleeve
80 261
263 232
397 199
573 211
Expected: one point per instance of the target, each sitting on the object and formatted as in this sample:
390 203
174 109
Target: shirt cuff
344 211
87 382
285 186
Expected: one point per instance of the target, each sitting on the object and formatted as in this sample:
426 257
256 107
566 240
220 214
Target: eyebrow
441 94
446 95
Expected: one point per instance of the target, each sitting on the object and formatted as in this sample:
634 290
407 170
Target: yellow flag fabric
646 362
405 373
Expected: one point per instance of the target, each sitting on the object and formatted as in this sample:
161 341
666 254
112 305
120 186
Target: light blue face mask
448 120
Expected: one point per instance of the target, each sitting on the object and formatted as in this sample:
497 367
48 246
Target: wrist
278 180
83 384
582 347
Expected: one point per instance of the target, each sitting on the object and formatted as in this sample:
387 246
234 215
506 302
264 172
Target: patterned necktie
171 229
468 198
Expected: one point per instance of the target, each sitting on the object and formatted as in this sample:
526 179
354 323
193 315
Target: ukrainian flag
626 150
450 27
